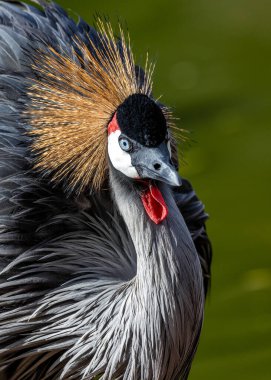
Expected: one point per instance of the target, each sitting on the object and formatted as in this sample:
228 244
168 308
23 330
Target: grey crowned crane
104 260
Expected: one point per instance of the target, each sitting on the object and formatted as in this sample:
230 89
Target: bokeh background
214 68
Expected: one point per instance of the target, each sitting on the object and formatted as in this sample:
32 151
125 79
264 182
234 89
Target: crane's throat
154 203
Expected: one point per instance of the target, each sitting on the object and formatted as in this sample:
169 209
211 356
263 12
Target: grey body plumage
88 285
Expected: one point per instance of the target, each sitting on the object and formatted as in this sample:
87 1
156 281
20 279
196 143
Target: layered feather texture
70 274
73 100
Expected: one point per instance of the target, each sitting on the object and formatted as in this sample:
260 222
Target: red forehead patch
113 125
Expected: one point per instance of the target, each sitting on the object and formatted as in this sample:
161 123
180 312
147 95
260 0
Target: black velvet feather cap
141 119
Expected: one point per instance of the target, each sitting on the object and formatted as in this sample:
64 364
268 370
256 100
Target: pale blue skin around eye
124 144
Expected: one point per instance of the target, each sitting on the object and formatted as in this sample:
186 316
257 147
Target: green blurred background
214 68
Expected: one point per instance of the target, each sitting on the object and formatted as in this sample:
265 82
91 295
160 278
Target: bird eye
125 144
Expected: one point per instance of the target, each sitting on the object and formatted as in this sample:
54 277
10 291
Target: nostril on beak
157 166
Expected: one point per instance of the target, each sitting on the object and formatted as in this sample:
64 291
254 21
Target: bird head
139 147
139 142
94 109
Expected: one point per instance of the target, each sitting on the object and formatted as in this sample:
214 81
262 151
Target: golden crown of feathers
72 102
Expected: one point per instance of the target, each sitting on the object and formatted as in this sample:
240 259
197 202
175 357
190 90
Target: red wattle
154 204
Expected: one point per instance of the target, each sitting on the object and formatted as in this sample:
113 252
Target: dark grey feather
69 266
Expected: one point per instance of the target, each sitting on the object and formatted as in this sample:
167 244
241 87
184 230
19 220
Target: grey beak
154 163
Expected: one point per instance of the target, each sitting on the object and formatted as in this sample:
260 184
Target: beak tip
177 181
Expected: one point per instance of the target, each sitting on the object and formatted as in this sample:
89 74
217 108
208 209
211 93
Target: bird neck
162 249
167 289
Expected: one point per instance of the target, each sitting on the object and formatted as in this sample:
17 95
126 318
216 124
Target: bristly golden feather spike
73 100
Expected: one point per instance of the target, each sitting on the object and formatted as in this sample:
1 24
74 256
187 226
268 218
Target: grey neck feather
167 288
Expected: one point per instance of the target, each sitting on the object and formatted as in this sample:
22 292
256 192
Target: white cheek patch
120 160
